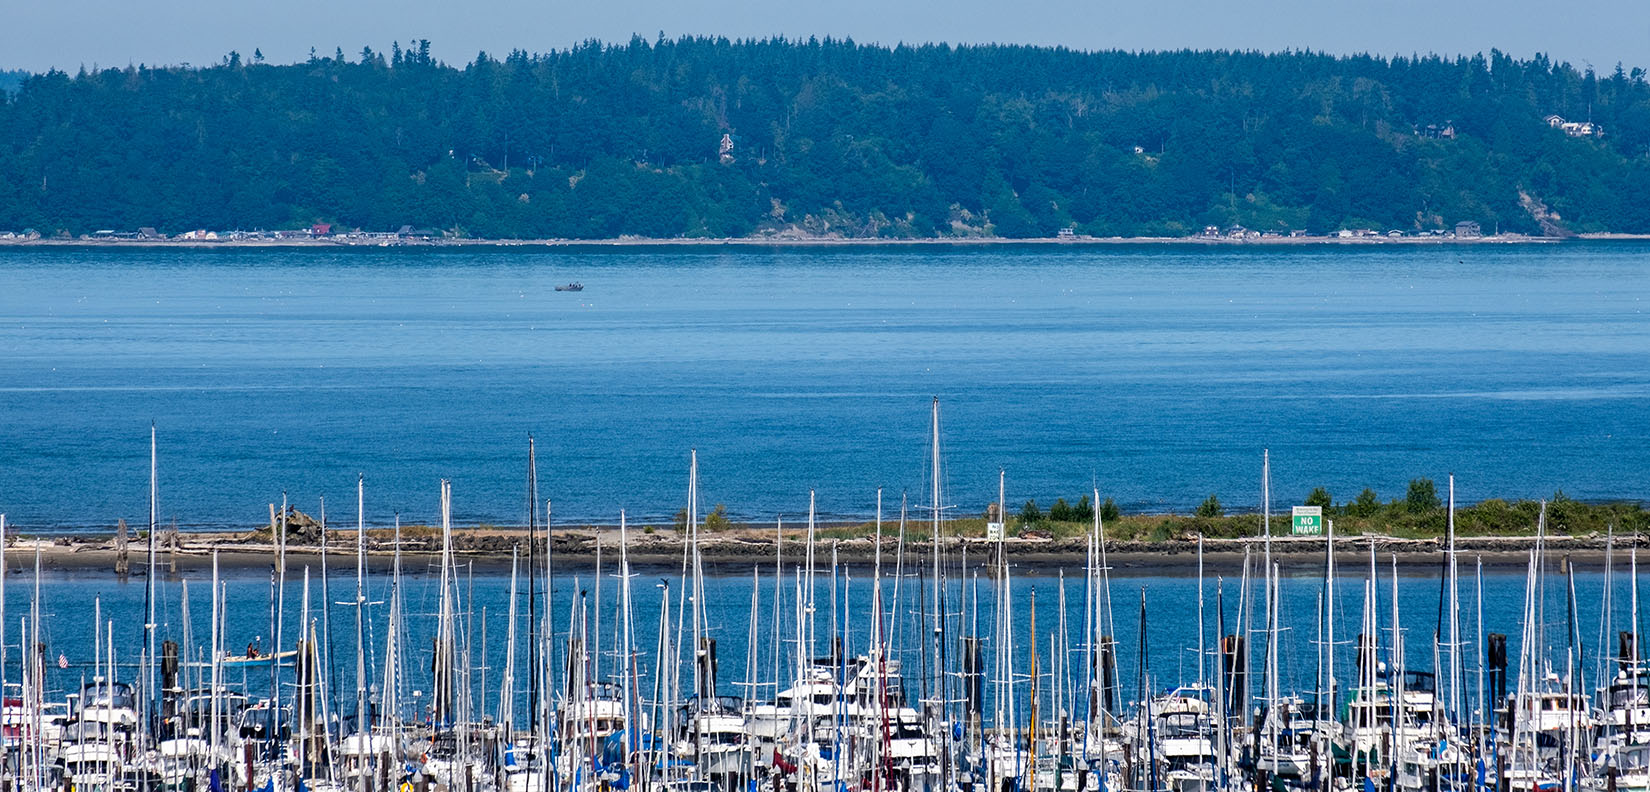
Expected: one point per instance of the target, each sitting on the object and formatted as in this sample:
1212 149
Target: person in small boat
251 651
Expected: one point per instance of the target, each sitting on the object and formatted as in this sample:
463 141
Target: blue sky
66 34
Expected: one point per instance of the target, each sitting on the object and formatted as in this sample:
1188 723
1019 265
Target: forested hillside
829 137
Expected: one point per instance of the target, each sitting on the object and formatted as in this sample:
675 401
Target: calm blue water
68 602
1157 374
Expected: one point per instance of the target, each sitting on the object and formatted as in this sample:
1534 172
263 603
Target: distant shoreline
802 242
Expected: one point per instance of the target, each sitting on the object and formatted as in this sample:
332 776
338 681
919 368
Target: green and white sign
1308 521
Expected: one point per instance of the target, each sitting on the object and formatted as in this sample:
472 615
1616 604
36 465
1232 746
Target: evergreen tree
830 137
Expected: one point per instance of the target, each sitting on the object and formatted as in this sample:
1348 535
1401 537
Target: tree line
1419 512
828 137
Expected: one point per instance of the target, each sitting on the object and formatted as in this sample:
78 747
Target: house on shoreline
1575 129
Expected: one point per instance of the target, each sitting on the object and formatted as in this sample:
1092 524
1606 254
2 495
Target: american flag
62 661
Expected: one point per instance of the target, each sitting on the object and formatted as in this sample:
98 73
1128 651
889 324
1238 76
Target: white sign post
1308 521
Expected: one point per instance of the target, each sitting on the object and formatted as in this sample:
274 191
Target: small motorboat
254 660
571 287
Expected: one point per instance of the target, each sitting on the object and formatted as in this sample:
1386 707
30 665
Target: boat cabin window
1420 681
1622 696
84 731
101 694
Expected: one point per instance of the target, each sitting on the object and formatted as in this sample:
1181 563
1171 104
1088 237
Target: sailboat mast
326 611
701 685
1089 647
1222 708
934 466
938 669
1266 505
1004 685
627 664
895 616
1329 615
1031 709
279 604
303 694
1483 711
388 701
1607 607
532 581
361 725
811 582
1105 619
778 581
507 686
546 653
1454 615
149 582
216 653
445 638
877 638
1272 686
1266 532
5 763
1201 647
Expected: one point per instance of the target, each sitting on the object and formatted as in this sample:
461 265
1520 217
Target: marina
1296 398
931 670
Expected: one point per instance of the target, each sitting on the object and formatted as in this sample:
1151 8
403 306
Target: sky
67 34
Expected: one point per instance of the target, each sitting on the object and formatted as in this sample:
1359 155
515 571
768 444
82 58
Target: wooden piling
122 561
